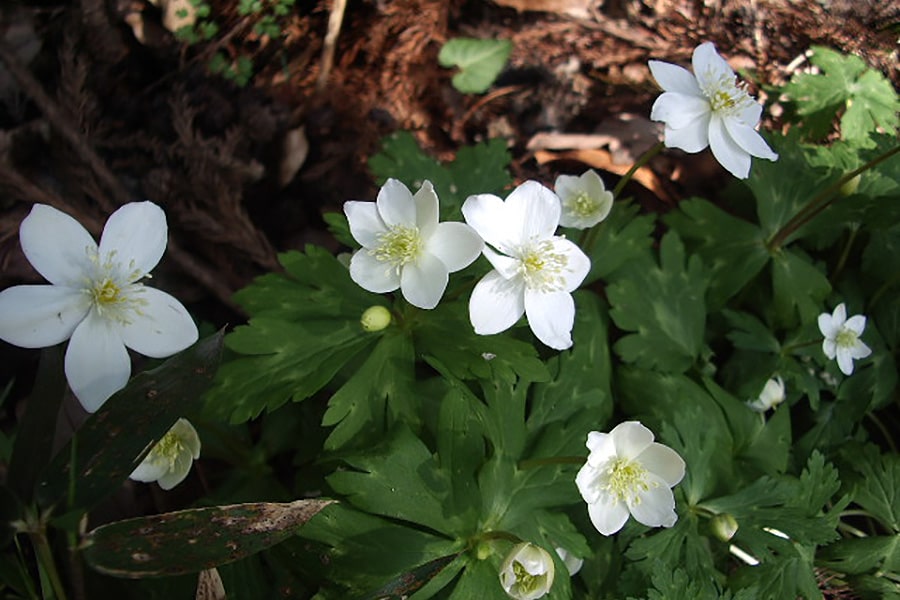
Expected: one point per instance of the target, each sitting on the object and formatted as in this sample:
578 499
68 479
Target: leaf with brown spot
192 540
115 439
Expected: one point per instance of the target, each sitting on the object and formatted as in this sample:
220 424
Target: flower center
168 449
541 267
846 338
399 246
525 581
626 480
725 96
581 205
113 296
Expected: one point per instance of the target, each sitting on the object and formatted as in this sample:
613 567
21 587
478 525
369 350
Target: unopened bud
724 526
375 318
849 188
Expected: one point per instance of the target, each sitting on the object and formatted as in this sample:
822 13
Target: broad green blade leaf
406 584
480 61
115 439
34 439
192 540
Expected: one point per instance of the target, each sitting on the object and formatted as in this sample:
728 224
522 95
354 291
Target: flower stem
821 201
589 237
842 261
531 463
45 558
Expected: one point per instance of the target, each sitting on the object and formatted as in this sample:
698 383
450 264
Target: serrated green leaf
878 487
623 237
861 555
799 288
749 333
399 479
664 307
376 397
461 451
479 61
867 97
680 546
191 540
733 250
339 227
115 439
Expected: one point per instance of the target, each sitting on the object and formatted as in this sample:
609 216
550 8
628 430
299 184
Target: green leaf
461 451
867 97
623 237
399 479
477 169
34 439
339 227
749 333
115 439
408 583
378 395
680 546
799 288
188 541
664 307
862 555
479 61
878 487
733 250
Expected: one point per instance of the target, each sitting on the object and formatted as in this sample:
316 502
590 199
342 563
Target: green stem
842 261
786 350
589 237
821 201
884 431
45 559
531 463
851 530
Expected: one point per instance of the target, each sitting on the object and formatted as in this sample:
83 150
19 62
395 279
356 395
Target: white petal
749 139
365 224
163 328
97 363
856 324
532 212
396 205
731 156
507 267
663 462
577 262
137 233
37 316
691 138
176 475
673 78
839 316
751 113
456 244
423 282
149 470
496 304
631 438
829 347
551 316
371 274
656 505
596 440
608 517
845 361
679 110
709 67
57 246
860 350
567 185
188 436
486 214
586 480
427 206
828 327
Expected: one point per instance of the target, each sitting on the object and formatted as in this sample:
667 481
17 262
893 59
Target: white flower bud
527 572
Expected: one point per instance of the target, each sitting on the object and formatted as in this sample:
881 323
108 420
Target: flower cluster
95 298
535 271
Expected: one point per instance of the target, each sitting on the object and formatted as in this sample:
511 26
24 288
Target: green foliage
665 309
863 97
478 169
479 62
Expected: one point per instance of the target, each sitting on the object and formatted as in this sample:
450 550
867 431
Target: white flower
404 246
842 337
95 299
527 572
709 108
627 472
585 200
170 459
771 395
572 562
534 272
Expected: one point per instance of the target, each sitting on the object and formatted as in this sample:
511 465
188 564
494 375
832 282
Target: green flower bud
849 188
375 318
724 526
